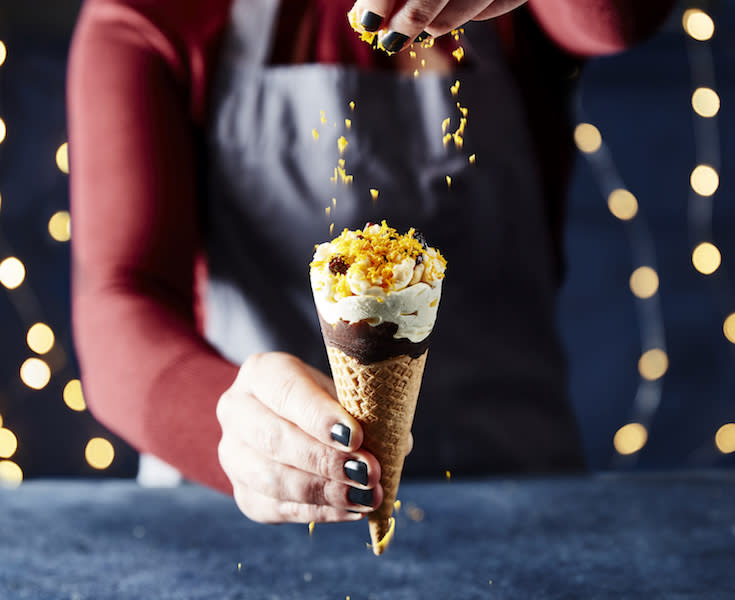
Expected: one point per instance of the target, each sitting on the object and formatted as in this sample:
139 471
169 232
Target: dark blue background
640 101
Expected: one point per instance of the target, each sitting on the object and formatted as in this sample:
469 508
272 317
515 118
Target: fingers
288 387
283 484
247 421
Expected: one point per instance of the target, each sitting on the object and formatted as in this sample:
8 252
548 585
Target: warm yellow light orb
11 475
653 364
725 438
705 102
1 201
3 53
1 420
40 338
622 204
12 272
706 258
99 453
644 282
698 24
704 180
73 396
728 327
62 158
59 226
630 438
587 137
8 443
3 131
35 373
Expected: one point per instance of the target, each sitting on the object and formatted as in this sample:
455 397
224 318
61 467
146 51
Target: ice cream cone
382 397
377 294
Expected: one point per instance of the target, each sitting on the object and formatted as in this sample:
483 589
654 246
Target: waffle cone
382 397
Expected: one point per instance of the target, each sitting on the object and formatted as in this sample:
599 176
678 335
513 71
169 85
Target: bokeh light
12 272
11 475
653 364
630 438
3 53
725 438
59 226
99 453
62 158
40 338
622 204
3 131
35 373
587 137
1 201
704 180
705 102
644 282
8 443
698 24
73 396
706 258
728 328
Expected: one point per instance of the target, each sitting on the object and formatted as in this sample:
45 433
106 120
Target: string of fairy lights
47 359
706 256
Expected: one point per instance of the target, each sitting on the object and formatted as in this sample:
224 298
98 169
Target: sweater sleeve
134 91
597 27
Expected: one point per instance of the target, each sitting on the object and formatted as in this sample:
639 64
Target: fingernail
358 496
393 41
422 36
341 433
370 21
357 470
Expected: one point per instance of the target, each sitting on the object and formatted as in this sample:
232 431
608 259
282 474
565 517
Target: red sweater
138 79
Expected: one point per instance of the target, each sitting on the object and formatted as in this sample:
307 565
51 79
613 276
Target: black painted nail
341 433
422 36
393 41
370 21
363 497
356 470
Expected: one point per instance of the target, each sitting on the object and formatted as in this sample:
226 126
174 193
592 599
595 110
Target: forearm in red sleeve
147 374
595 27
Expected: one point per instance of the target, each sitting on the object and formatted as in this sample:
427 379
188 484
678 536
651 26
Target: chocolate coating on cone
382 397
370 343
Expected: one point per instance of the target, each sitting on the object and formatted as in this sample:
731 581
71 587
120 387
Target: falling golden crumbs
334 178
328 210
397 505
462 125
462 109
458 140
449 181
348 123
383 543
334 201
448 474
348 179
311 523
352 105
239 567
446 139
458 54
379 299
455 88
428 43
416 73
374 194
323 117
342 144
423 62
331 229
412 54
472 159
445 124
315 134
341 163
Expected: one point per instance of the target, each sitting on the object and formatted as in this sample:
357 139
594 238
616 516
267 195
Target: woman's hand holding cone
291 452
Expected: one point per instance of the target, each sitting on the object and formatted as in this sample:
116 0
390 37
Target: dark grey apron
494 392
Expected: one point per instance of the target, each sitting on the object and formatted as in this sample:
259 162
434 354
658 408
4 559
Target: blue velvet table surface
647 536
